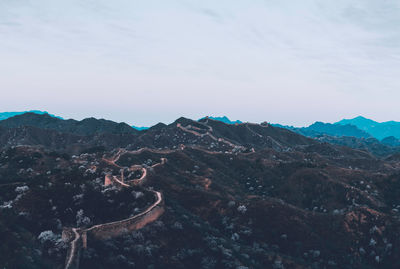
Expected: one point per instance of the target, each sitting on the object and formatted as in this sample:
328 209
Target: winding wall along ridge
186 129
72 260
116 228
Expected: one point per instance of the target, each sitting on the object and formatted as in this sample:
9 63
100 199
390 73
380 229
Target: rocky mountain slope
234 196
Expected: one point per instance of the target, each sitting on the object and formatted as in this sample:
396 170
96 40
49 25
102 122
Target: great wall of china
189 128
195 131
77 238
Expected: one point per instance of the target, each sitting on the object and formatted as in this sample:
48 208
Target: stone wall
74 251
109 230
77 238
67 235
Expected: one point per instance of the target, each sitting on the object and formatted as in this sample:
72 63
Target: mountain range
6 115
380 138
89 126
320 128
223 119
239 195
359 127
35 128
379 130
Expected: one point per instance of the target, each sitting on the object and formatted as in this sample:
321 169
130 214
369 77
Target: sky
143 62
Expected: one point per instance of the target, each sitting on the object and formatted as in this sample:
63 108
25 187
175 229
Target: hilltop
89 126
223 119
6 115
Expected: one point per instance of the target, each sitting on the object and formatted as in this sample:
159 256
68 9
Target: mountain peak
357 120
88 126
6 115
361 118
223 119
379 130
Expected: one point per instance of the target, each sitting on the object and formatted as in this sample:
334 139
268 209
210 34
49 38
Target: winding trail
116 228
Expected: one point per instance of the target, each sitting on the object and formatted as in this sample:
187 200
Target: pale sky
142 62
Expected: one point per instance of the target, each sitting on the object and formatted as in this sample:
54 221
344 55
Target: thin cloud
281 57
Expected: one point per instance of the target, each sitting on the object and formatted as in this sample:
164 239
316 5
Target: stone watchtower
107 180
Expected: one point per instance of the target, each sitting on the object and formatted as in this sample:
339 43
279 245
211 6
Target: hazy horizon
288 62
214 116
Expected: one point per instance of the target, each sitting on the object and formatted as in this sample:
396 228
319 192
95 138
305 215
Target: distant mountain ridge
339 130
359 127
89 126
223 119
139 128
379 130
71 135
319 129
6 115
